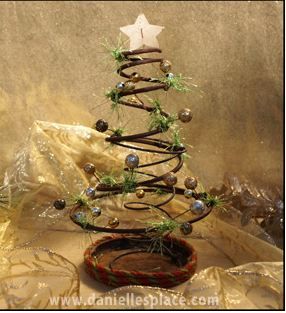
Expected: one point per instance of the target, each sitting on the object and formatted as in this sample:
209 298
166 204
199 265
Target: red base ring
117 278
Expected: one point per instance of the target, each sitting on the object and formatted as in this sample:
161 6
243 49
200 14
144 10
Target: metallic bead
114 222
170 75
120 86
129 85
170 179
135 77
89 168
188 193
80 216
165 66
186 228
191 182
101 126
140 193
95 211
185 115
132 160
198 207
60 204
133 99
90 192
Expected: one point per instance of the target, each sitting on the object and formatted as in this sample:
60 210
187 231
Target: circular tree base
122 260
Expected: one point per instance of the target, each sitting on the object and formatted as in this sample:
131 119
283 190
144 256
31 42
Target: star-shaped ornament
142 33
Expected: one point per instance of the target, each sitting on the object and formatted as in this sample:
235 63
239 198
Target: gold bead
129 85
140 193
135 77
185 115
165 66
191 182
133 99
114 222
170 179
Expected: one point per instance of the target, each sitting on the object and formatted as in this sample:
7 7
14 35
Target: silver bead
188 193
90 192
170 75
185 115
95 211
132 160
191 183
80 216
198 207
120 86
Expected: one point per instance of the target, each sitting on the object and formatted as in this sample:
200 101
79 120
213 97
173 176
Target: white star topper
142 33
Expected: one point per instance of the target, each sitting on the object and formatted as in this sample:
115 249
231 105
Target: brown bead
60 204
170 179
135 77
185 115
186 228
114 222
191 182
89 168
140 193
165 66
101 126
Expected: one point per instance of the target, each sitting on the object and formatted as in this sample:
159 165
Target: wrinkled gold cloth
50 165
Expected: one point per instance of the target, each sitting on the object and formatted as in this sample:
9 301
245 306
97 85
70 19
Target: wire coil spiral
154 146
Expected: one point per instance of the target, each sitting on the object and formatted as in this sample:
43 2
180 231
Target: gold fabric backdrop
52 68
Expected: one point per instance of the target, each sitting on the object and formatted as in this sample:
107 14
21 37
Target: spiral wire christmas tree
147 143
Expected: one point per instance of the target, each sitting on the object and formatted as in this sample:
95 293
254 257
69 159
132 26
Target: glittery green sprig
157 239
117 51
109 180
118 131
129 182
82 200
160 121
214 201
114 96
160 192
177 82
176 141
164 226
